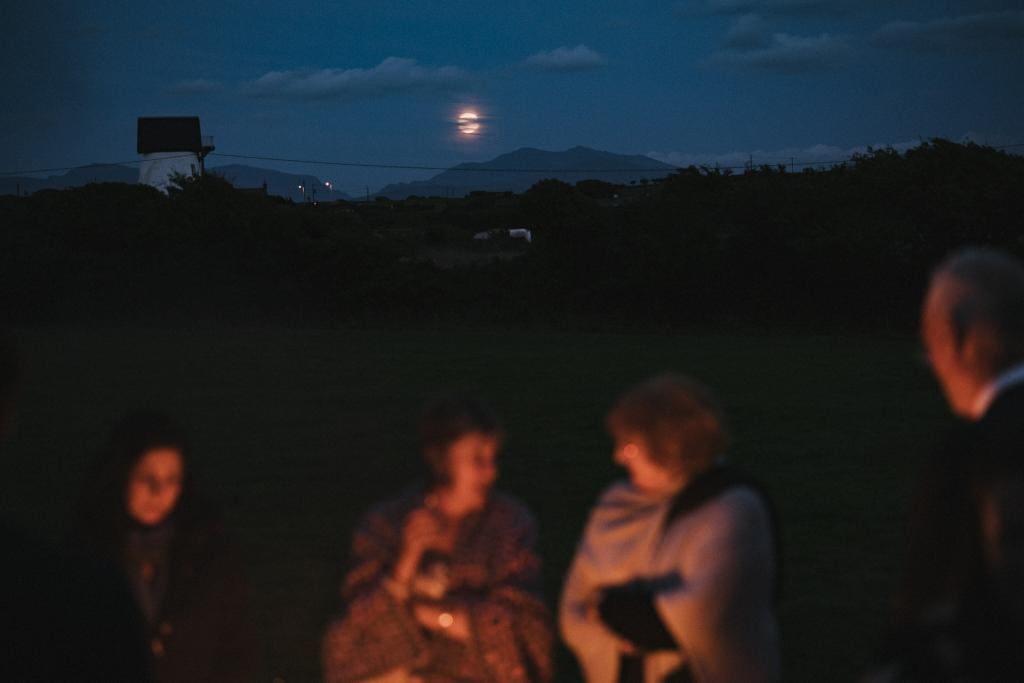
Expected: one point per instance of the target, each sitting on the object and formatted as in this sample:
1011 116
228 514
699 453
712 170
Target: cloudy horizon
698 81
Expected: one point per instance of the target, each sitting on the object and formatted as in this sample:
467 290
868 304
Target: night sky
699 81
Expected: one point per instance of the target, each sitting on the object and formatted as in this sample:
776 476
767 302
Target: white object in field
158 167
521 234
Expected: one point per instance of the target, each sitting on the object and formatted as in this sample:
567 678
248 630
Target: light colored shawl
719 562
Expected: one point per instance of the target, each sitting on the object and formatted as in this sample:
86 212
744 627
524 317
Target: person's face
633 454
154 485
947 355
472 467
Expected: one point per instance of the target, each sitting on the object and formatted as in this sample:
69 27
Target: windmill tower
169 145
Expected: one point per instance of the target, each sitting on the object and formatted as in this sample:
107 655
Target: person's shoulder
742 499
1001 430
619 492
622 511
199 527
204 544
511 510
622 499
741 509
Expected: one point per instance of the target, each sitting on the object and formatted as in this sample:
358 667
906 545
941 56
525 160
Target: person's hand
452 623
422 530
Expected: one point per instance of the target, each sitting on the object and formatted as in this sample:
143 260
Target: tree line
848 246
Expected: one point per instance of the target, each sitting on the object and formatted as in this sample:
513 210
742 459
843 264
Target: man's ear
980 349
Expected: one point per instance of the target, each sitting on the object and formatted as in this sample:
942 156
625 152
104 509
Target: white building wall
157 168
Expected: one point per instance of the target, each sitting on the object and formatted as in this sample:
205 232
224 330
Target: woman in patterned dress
443 586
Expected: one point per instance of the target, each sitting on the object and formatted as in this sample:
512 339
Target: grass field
298 430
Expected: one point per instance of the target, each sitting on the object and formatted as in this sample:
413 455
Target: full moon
469 123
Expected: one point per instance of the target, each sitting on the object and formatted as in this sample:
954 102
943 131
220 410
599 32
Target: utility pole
792 165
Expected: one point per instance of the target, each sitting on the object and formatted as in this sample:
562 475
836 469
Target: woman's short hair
678 418
444 421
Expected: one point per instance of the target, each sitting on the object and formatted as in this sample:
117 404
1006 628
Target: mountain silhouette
519 170
513 172
83 175
278 182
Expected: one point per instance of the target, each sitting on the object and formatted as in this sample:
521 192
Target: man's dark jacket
960 612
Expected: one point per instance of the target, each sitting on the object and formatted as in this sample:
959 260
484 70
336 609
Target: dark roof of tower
169 134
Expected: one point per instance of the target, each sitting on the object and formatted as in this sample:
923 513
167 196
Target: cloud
393 75
966 33
579 58
749 45
197 86
820 155
766 6
749 31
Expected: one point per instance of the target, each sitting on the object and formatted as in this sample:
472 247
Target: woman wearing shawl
674 579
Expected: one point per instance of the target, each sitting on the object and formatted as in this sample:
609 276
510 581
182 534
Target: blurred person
676 574
960 610
444 582
141 514
62 618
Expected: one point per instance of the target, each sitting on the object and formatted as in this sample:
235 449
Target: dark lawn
298 430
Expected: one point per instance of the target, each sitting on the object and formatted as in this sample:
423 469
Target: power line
419 167
414 167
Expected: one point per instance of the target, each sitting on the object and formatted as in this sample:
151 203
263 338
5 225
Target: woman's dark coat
201 631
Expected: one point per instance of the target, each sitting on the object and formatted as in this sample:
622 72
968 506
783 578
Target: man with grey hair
960 614
972 326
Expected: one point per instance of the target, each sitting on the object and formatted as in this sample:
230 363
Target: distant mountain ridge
519 170
512 172
83 175
278 183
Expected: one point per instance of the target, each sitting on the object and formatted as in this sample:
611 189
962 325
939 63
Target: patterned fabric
494 574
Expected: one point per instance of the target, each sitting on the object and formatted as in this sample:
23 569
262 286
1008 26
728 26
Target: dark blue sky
383 82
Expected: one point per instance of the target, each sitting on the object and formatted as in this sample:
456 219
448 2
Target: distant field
298 430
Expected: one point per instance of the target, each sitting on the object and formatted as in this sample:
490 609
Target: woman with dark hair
675 577
444 579
141 513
